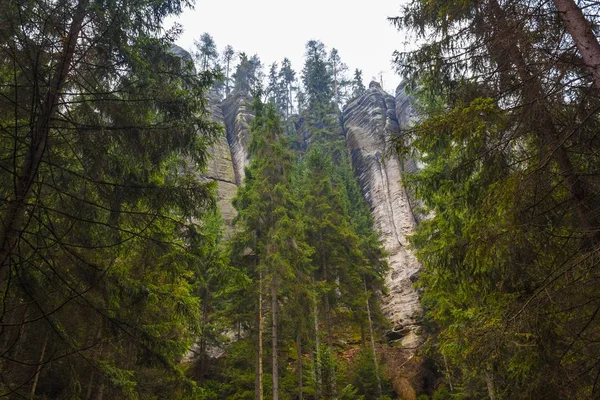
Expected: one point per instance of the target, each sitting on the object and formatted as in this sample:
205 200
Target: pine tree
316 76
338 72
228 54
513 203
248 74
206 51
266 206
101 125
288 78
358 87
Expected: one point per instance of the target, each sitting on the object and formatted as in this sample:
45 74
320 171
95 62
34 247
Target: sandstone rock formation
220 166
369 121
238 116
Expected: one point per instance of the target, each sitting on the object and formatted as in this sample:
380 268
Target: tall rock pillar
369 122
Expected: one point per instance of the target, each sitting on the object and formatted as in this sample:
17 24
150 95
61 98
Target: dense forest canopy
129 268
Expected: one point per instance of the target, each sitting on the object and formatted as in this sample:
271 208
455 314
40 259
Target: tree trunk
335 84
10 230
325 273
100 392
299 365
582 34
88 395
448 376
38 370
317 357
373 349
258 387
489 380
291 100
203 355
227 79
274 348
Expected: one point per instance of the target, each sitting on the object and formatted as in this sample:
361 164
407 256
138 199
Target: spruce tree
228 54
206 51
358 86
102 126
512 200
248 74
266 215
288 77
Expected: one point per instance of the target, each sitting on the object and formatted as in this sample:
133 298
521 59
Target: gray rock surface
238 116
407 115
369 122
220 165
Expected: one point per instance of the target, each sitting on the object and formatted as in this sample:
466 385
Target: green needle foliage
102 134
508 139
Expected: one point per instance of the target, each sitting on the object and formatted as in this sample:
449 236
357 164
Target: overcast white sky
275 29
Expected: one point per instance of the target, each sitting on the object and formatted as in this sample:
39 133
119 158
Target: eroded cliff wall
369 121
220 165
237 116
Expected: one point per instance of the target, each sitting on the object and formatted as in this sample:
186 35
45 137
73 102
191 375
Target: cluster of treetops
281 85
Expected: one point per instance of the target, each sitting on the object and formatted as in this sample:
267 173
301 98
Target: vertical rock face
369 121
238 116
220 165
407 115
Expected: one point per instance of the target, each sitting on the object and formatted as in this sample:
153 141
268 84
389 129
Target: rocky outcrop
220 165
238 116
369 122
407 115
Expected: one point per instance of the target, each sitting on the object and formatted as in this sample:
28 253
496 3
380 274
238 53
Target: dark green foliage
206 51
364 378
287 78
316 75
101 142
228 54
115 279
513 193
358 87
248 74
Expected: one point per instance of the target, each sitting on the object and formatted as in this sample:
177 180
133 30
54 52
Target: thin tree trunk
489 380
291 100
327 321
258 387
274 348
373 349
299 365
335 84
317 349
100 392
583 35
448 374
39 369
203 356
88 395
227 79
12 219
